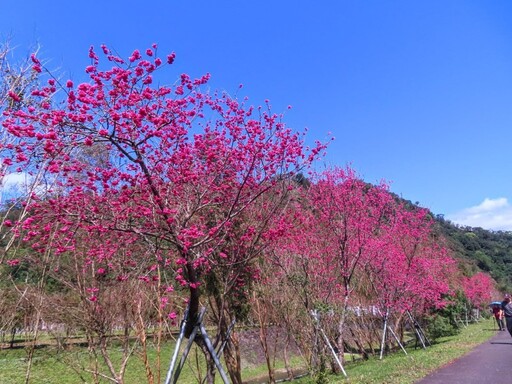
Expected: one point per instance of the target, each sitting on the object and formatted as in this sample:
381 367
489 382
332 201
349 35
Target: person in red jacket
497 311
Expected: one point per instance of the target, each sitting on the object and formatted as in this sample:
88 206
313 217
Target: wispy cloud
15 181
19 185
493 214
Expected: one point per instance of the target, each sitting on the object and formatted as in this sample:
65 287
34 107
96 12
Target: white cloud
16 181
16 185
493 214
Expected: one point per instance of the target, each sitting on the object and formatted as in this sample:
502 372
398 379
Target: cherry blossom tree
411 266
350 214
172 166
23 300
297 274
17 80
411 271
478 289
333 230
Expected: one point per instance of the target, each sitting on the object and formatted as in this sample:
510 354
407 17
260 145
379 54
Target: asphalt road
490 362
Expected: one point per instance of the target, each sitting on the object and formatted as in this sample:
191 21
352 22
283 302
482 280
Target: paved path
490 362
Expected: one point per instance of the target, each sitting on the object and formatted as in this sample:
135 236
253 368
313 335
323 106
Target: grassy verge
52 367
401 369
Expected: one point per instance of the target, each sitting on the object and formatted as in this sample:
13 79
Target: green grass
50 367
398 368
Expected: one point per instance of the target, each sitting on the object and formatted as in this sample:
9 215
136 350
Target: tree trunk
210 363
232 358
340 339
263 320
359 345
193 303
289 371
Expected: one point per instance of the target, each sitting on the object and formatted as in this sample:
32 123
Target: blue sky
418 93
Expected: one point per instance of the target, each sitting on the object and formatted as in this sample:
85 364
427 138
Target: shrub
440 326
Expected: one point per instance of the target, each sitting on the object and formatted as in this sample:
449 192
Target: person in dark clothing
506 305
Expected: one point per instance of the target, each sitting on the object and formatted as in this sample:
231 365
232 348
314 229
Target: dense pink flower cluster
478 289
350 237
165 170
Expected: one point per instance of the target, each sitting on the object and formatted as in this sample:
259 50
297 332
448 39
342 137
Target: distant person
503 303
506 305
497 311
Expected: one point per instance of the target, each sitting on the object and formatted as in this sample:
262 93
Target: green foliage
480 249
26 273
323 307
321 375
443 322
440 326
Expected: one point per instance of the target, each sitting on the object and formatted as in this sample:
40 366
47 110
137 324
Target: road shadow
500 342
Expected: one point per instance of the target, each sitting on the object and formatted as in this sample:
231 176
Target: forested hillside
489 251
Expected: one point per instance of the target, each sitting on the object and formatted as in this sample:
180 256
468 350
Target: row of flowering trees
355 245
147 199
358 239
